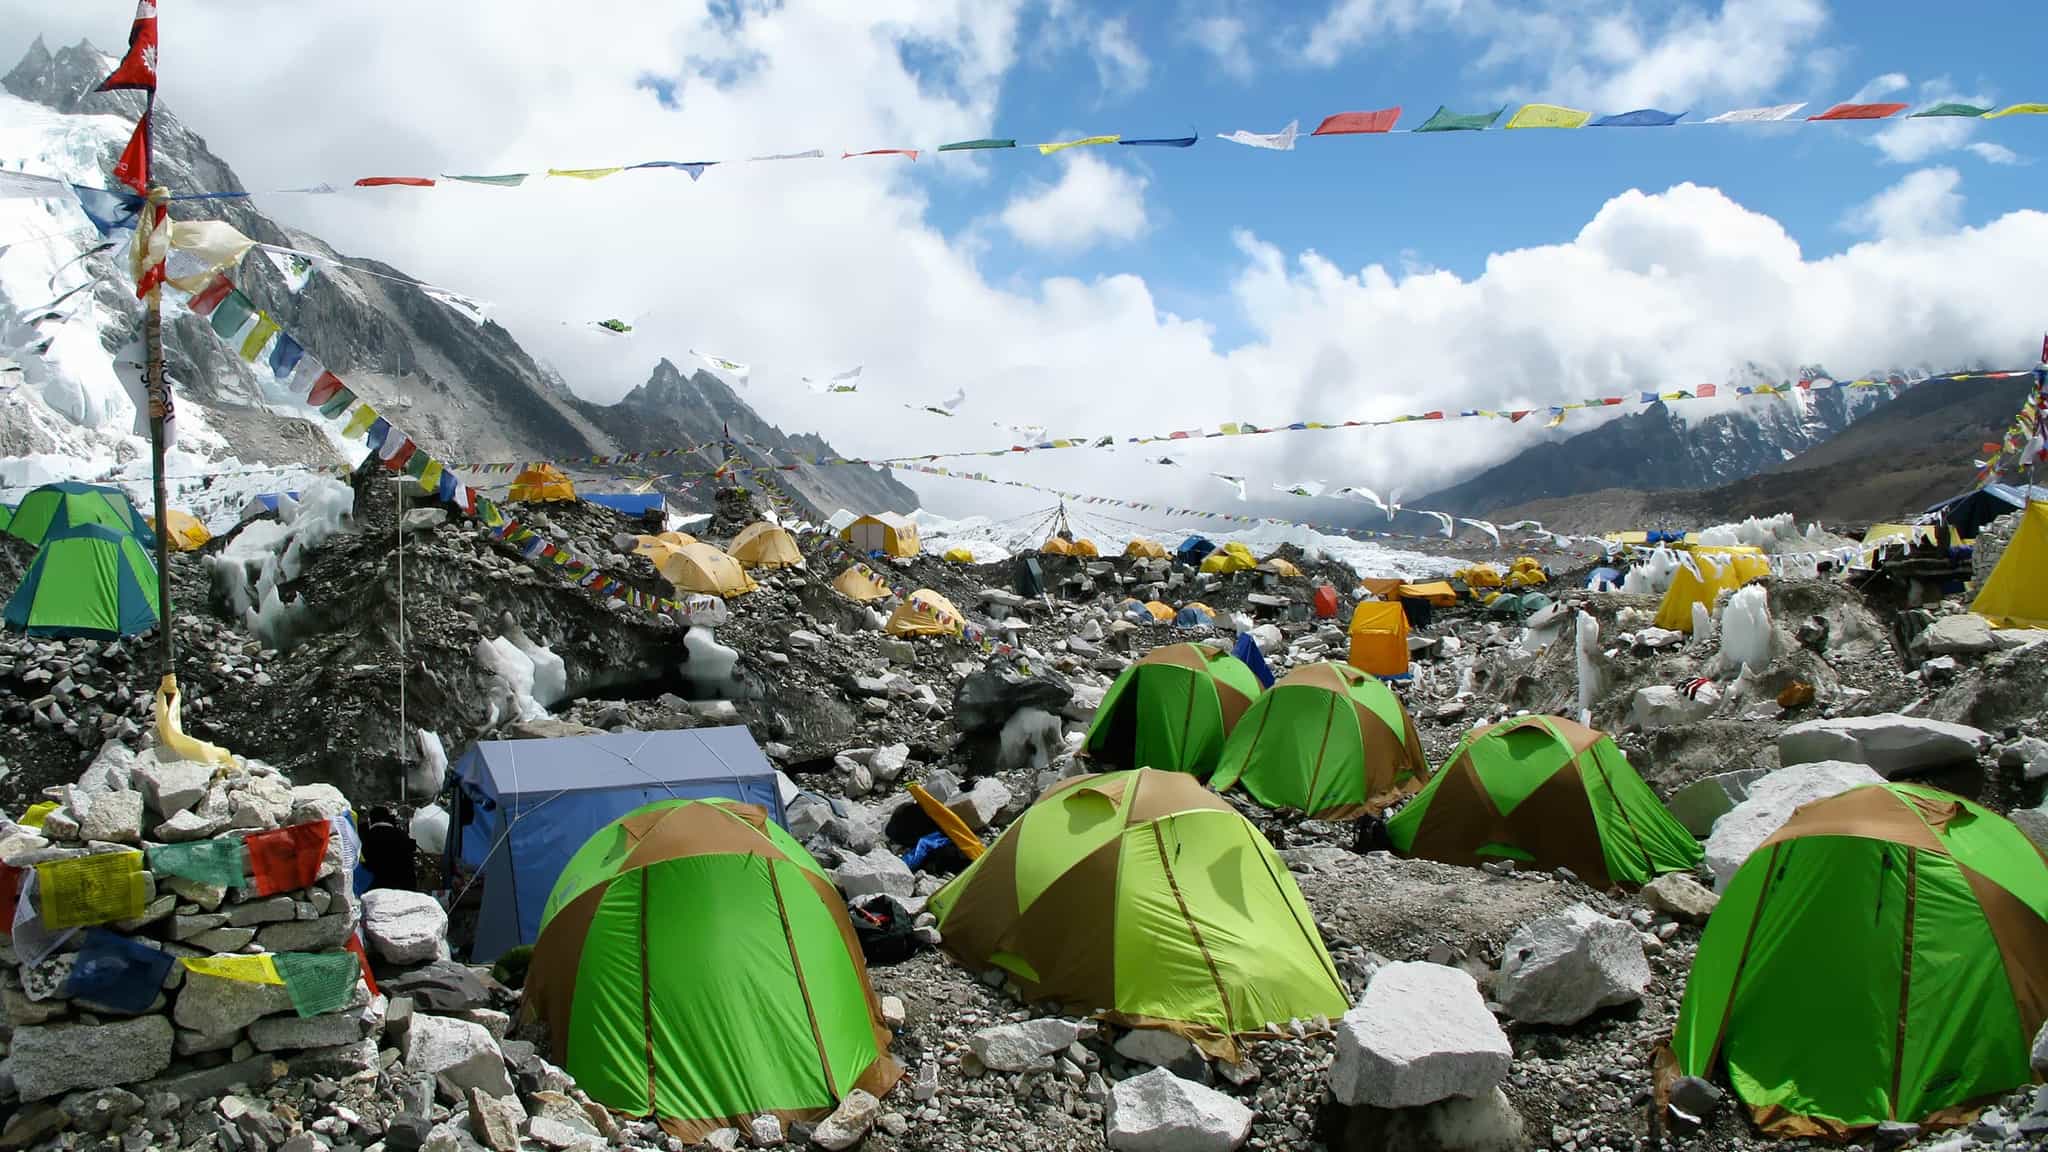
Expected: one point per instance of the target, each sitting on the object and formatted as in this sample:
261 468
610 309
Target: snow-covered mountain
465 391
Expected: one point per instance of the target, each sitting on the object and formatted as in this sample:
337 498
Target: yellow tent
187 534
700 567
883 532
763 545
1057 546
1480 576
1085 547
1379 638
2015 595
959 556
1281 567
661 544
1232 557
541 482
1160 611
1629 539
1527 573
1383 587
860 583
1145 549
1719 570
1437 592
925 613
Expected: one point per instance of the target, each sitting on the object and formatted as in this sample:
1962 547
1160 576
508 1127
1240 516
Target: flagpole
153 339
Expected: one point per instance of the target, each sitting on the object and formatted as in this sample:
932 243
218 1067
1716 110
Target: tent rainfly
1328 741
1172 709
53 508
884 532
2015 595
860 582
87 581
1379 637
541 483
765 545
925 613
187 533
702 568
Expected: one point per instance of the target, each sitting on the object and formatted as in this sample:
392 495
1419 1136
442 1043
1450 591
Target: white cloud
1991 153
1093 202
1351 23
1120 64
1888 84
1906 140
1925 203
1223 38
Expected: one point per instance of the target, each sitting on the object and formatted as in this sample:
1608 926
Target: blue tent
264 502
523 807
1193 617
1193 549
1247 653
630 503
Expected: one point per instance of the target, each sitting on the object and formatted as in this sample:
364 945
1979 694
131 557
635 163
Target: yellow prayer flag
2018 110
584 173
360 422
1549 116
1049 149
257 969
33 818
430 480
92 889
258 336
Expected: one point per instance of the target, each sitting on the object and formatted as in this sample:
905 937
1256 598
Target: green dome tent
1329 741
1146 897
1549 793
1883 956
87 581
694 962
56 507
1172 709
6 516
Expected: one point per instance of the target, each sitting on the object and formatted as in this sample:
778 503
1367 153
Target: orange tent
1379 638
541 482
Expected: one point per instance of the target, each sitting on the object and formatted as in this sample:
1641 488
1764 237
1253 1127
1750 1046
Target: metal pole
153 375
401 480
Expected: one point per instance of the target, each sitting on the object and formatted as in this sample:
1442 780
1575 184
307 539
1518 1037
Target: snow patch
267 554
1746 631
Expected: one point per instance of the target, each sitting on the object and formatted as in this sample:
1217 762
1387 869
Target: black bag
885 928
1027 578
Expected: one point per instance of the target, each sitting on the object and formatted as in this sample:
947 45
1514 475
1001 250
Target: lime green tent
694 962
6 516
1329 741
1172 709
1549 793
1883 956
55 507
86 581
1146 897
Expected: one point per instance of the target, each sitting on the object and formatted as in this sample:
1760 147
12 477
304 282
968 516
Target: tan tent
884 532
541 482
1057 546
925 613
859 582
763 545
1145 549
657 546
700 567
1280 566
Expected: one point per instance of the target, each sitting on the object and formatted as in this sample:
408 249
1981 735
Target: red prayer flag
1610 401
1860 112
2044 348
1432 415
387 181
1347 123
287 858
1516 417
138 65
355 945
323 389
132 168
396 460
10 892
1706 391
205 300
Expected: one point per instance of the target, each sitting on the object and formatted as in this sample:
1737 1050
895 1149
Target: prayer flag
1281 141
394 181
1640 118
1950 108
507 180
1083 142
584 173
231 314
117 972
204 301
1860 112
416 465
1445 120
259 335
110 210
284 356
23 186
813 154
1705 391
694 167
1160 142
319 982
11 880
910 152
430 476
337 403
137 70
258 969
132 168
395 454
360 423
1757 115
285 859
92 889
1350 123
976 145
216 862
1548 116
2018 110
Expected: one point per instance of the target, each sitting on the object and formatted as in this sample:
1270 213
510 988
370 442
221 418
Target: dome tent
925 613
765 545
541 483
700 567
1549 793
187 533
694 962
1172 709
860 582
1882 956
884 532
86 580
1145 896
1141 548
53 508
1328 741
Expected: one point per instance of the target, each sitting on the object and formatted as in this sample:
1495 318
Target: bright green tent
69 504
1146 897
86 581
1545 792
6 516
694 962
1329 741
1883 956
1172 709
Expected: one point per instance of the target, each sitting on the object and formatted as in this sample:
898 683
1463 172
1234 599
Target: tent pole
159 415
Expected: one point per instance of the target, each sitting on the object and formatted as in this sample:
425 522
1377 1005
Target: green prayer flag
319 982
1446 120
216 862
416 464
509 180
231 313
337 403
1950 108
971 145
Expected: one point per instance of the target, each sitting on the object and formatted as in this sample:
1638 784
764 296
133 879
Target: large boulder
1028 1046
1662 706
1889 743
1160 1112
1770 803
215 1005
1700 803
404 927
1966 634
466 1054
50 1059
1420 1034
1681 897
1484 1123
987 699
1568 965
877 871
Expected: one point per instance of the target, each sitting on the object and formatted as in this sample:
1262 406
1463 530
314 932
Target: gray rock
255 912
1024 1047
1485 1123
290 1033
1160 1112
319 935
189 825
765 1131
49 1059
1770 803
404 927
174 786
1420 1034
848 1123
1663 706
1681 897
95 1110
224 939
2028 755
1891 744
1695 1099
496 1120
1159 1049
979 806
113 817
1700 803
1566 966
211 1005
255 1072
2040 1053
877 871
464 1052
1967 634
887 762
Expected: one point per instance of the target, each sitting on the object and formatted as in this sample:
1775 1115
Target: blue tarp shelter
1970 512
1193 549
523 807
630 503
